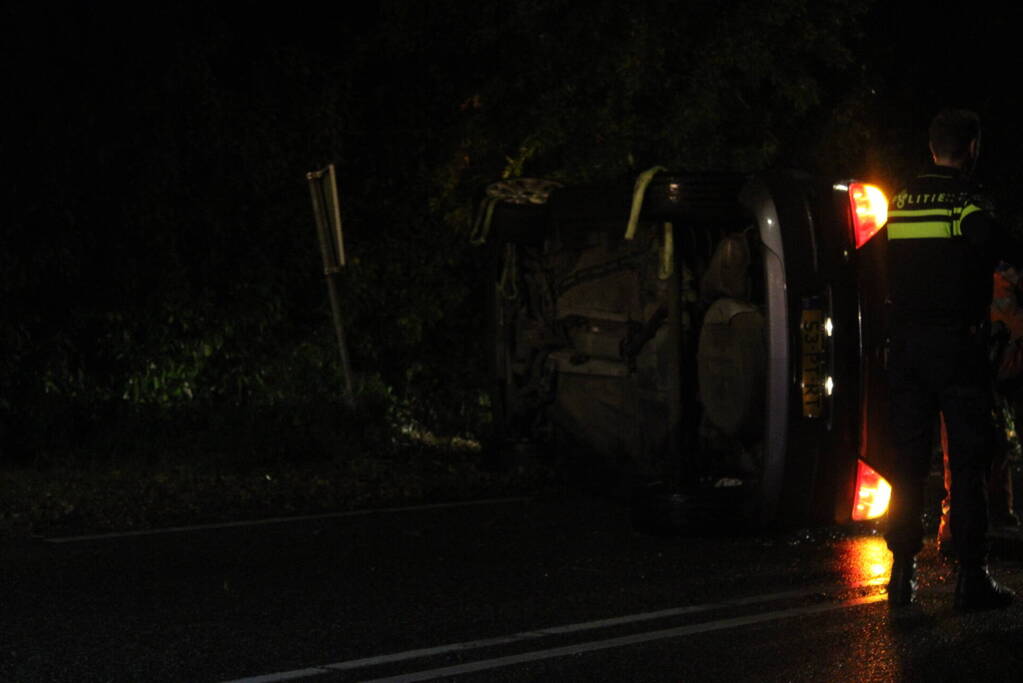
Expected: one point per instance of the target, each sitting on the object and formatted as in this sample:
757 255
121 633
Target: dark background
158 264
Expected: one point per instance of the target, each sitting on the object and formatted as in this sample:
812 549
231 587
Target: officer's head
955 138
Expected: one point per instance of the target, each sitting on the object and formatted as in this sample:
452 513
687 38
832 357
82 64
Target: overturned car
712 340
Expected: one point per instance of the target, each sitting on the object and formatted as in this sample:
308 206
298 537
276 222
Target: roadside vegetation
143 472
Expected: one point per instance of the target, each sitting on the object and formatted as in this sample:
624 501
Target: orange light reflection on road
874 648
866 560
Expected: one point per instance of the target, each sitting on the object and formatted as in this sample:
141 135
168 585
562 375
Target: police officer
943 245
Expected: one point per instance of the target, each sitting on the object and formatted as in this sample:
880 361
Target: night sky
91 81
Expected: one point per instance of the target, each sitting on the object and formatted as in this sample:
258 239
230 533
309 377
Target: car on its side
713 340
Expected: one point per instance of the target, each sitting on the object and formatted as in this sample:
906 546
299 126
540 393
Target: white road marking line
623 641
556 630
281 520
286 676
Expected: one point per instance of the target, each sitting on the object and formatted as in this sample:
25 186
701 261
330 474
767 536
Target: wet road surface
519 590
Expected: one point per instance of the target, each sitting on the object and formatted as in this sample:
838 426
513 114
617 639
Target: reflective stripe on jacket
940 251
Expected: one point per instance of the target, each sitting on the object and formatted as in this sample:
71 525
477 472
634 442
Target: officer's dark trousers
936 369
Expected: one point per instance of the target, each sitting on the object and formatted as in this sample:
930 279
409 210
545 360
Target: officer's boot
976 590
902 584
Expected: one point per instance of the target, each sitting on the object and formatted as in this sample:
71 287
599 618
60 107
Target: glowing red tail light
869 211
873 493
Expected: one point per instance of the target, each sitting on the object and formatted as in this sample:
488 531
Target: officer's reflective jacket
943 245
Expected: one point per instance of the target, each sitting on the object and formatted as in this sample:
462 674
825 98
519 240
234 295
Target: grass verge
266 467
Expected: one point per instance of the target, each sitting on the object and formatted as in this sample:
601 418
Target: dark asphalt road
316 596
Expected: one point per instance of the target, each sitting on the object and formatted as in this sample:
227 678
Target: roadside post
327 213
